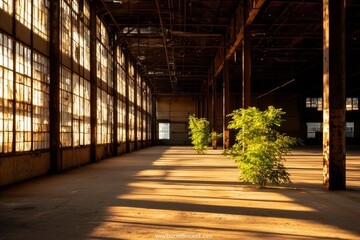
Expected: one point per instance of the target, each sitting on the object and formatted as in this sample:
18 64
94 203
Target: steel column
246 69
55 145
115 95
334 168
93 80
226 105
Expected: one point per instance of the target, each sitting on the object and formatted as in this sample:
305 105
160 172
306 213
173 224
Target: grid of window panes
7 6
65 108
314 103
75 30
313 128
23 98
131 103
138 107
81 111
104 117
121 92
41 91
41 18
352 104
6 93
104 72
144 110
65 17
121 121
149 103
103 54
23 12
85 37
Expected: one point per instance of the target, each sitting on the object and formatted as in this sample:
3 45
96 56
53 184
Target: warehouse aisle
172 193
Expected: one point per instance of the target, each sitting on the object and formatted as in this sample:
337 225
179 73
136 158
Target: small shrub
199 133
259 149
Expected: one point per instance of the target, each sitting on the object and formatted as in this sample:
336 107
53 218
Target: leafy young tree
199 133
259 149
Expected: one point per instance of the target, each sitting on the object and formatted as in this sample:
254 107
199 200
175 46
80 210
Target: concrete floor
173 193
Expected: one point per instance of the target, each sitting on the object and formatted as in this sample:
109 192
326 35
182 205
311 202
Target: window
131 110
121 121
103 54
316 127
313 128
41 18
81 111
138 125
164 131
75 35
23 98
350 128
314 103
6 94
65 28
352 104
41 91
23 12
104 117
65 108
7 6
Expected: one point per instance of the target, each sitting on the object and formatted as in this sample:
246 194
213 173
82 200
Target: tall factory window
105 83
6 93
41 18
65 28
121 88
23 12
65 107
23 98
41 91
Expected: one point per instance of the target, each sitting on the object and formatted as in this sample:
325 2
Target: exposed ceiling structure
176 41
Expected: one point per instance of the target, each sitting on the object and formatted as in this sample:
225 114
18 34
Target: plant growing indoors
259 149
199 133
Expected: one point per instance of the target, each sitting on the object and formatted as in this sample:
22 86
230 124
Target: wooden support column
127 107
334 168
246 69
226 105
213 110
207 102
115 94
55 147
93 80
136 109
153 120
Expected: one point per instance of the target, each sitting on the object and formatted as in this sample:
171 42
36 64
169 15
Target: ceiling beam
237 20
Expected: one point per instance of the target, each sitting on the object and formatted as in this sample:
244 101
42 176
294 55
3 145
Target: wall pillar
93 80
226 105
246 69
55 147
127 106
213 105
334 147
115 95
153 120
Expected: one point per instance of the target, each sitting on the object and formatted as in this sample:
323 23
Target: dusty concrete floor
172 193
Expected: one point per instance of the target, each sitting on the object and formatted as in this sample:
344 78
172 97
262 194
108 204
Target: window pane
313 128
164 130
7 6
350 129
41 18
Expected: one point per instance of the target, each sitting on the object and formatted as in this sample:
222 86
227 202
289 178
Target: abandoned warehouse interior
86 80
